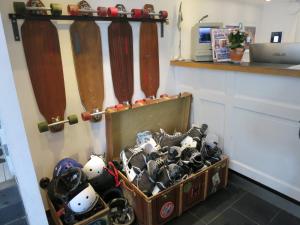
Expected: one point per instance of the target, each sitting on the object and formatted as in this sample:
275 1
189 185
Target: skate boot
174 154
153 168
193 158
143 182
164 139
163 180
134 162
210 151
176 173
188 142
198 133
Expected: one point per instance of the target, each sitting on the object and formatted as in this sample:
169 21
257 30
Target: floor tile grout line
276 214
253 221
228 207
196 217
15 220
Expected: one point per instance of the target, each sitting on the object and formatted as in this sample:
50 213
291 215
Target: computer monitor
201 41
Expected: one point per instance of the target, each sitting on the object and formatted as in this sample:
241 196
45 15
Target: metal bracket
15 17
162 33
15 27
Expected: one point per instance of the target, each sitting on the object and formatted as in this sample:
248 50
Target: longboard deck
87 54
121 59
42 52
149 57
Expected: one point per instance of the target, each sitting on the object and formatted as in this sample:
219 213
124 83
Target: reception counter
270 69
255 110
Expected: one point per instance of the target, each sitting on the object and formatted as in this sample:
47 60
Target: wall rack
14 17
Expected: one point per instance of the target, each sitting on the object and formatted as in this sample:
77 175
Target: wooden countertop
270 69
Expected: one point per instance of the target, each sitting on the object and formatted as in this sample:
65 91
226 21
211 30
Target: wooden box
171 114
101 214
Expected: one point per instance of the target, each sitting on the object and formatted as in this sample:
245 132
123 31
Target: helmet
68 184
120 212
84 201
94 167
63 165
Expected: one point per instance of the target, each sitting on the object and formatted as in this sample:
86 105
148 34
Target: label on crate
167 210
215 181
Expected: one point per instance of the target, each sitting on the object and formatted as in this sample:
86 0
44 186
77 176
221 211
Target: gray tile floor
11 206
235 206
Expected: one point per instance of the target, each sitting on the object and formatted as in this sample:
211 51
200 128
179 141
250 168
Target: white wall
15 137
79 140
229 12
280 16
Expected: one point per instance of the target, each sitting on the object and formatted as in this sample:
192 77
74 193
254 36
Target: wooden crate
172 115
193 190
154 210
101 214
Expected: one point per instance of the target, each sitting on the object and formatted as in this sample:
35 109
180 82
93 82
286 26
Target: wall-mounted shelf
14 17
270 69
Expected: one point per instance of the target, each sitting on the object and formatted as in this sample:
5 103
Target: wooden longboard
42 52
149 57
121 59
87 54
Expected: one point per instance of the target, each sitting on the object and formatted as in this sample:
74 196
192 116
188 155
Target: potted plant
236 44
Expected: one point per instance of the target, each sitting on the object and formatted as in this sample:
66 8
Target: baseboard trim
294 201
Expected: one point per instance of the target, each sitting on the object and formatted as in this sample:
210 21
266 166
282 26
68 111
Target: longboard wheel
19 7
141 101
43 127
86 116
73 10
56 9
163 14
137 13
119 106
44 182
73 119
102 11
113 11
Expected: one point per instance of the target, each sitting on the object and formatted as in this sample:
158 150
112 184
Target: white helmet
94 167
84 201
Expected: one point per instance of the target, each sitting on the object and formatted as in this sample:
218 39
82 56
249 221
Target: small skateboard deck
87 54
149 57
42 52
121 58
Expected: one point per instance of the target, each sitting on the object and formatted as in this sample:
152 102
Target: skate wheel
72 119
163 14
56 9
19 7
136 13
112 11
119 106
102 11
145 13
86 116
43 127
141 101
44 182
73 10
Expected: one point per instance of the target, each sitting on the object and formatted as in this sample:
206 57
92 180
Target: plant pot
236 55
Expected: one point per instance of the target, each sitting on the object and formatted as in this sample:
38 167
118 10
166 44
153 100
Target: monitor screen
204 34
